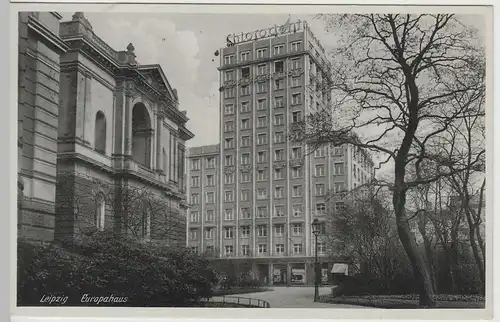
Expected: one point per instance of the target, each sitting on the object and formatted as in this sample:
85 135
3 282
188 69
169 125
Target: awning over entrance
340 268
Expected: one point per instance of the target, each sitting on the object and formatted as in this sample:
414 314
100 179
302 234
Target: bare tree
394 79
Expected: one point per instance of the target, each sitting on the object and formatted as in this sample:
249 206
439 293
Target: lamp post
316 231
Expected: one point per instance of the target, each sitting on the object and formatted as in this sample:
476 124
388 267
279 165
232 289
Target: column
158 143
153 139
271 273
128 123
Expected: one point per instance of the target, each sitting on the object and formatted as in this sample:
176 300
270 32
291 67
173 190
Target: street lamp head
316 227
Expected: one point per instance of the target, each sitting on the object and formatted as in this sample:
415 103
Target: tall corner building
255 195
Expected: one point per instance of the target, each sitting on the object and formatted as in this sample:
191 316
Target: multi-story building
269 189
103 136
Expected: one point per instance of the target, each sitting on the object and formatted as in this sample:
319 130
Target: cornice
53 40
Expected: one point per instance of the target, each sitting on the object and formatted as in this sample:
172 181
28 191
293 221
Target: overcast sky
186 54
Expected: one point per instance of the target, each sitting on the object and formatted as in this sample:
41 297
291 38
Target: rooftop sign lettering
274 31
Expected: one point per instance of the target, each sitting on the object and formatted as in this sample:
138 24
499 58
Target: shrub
102 264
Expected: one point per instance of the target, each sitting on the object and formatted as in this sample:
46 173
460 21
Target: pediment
154 76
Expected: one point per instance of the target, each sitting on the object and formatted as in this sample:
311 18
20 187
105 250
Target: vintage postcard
189 158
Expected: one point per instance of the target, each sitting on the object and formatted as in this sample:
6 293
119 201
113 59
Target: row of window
262 212
279 119
262 249
262 69
245 231
263 52
209 163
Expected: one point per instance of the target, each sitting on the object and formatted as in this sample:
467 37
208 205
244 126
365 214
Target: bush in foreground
103 264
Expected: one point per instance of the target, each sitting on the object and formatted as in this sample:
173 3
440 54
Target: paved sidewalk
293 297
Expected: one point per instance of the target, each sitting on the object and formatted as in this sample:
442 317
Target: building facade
117 140
269 190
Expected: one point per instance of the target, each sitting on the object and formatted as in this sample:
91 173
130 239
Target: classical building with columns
117 144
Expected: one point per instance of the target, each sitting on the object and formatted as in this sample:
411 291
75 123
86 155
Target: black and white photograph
227 158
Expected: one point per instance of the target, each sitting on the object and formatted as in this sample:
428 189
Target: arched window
146 224
164 160
141 135
100 214
100 132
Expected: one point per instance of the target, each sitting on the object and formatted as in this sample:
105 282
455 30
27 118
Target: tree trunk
426 293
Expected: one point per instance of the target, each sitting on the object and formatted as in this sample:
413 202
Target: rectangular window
210 197
245 250
245 177
261 87
228 214
354 170
279 119
261 139
339 187
229 75
319 170
245 72
297 248
210 180
194 217
320 209
261 175
297 229
296 172
245 55
339 168
229 109
278 49
278 173
339 151
296 153
262 249
279 230
245 89
261 69
228 178
321 249
279 155
339 206
320 189
245 213
296 46
279 211
319 152
245 124
228 143
245 195
297 210
261 156
295 64
279 102
209 233
296 98
280 249
209 216
228 232
297 191
261 193
245 141
279 84
262 212
279 137
229 59
245 231
229 160
261 104
262 230
195 199
245 158
296 117
228 196
229 92
195 181
278 67
210 163
262 121
295 81
228 250
261 52
229 126
193 234
195 164
279 192
245 107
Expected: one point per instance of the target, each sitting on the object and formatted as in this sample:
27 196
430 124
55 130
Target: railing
243 301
